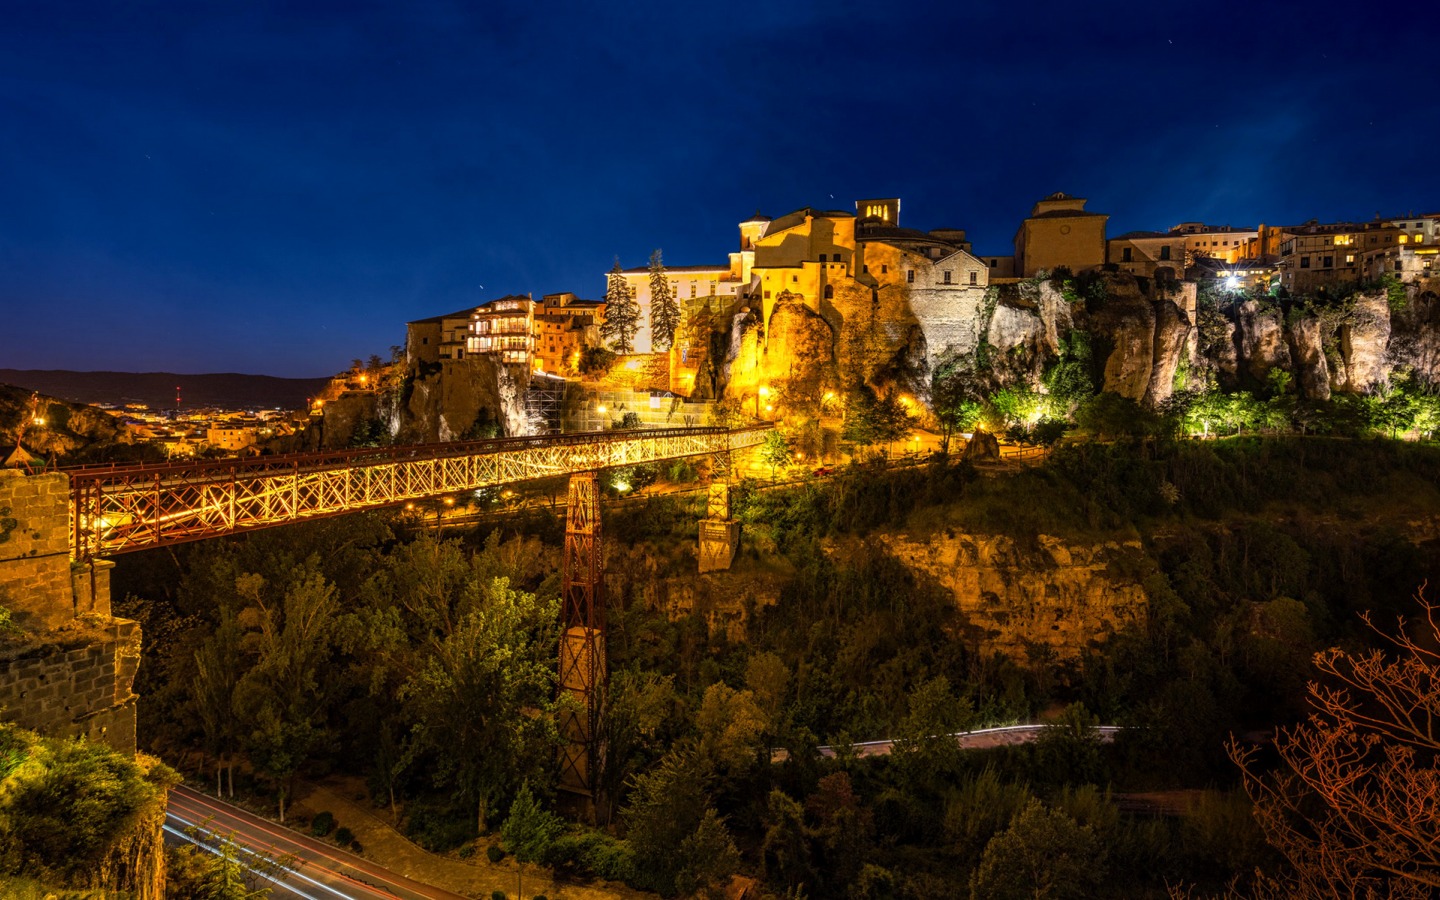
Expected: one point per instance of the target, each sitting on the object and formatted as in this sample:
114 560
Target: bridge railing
117 509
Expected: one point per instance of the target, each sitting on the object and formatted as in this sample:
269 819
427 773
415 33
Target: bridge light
449 501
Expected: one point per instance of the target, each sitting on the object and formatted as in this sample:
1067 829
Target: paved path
469 878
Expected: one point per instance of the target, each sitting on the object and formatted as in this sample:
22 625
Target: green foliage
1109 417
1069 379
484 428
495 853
344 836
870 419
664 310
65 805
596 361
322 824
1043 854
530 830
622 313
679 842
776 452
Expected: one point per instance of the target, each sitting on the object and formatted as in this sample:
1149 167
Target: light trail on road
308 869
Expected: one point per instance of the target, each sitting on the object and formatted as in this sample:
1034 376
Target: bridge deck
117 509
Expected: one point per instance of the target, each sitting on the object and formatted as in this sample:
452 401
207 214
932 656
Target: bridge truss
124 508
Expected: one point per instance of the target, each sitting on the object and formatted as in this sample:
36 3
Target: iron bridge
119 509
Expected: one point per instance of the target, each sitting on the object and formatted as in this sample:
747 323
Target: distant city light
1232 283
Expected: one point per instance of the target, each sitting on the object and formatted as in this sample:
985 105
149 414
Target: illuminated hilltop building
1060 232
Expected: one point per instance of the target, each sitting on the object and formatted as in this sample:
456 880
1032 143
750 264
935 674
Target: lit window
1349 258
1404 238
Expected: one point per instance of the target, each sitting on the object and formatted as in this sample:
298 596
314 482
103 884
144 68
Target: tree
283 695
679 842
775 452
483 699
664 310
1044 854
1354 805
530 830
874 420
217 672
622 313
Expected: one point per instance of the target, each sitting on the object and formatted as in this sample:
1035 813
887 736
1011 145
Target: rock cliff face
1307 356
1057 596
68 426
1364 344
445 405
1261 335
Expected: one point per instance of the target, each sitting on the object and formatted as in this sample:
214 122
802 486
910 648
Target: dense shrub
322 824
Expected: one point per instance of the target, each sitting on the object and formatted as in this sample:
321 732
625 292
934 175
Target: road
312 869
979 739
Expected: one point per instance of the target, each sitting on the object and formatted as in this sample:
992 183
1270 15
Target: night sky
277 188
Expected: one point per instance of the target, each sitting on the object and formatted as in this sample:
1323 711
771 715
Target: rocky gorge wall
1149 338
1056 596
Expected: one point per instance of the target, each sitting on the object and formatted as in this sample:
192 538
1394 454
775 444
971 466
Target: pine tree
664 310
622 313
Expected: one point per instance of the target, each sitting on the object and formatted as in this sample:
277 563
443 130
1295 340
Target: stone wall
68 667
35 549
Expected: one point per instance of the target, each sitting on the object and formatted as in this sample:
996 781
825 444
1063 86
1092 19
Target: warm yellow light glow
600 409
364 378
449 501
39 420
622 486
764 391
632 364
409 506
829 395
769 408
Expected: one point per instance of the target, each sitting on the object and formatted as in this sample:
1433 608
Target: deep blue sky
277 187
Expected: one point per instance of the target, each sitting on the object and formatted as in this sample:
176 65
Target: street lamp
762 392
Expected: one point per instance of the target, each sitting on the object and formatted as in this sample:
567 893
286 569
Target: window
1349 258
822 257
1165 251
1125 255
1304 262
974 277
767 295
424 340
1329 262
865 269
829 292
993 262
884 270
909 276
947 277
793 279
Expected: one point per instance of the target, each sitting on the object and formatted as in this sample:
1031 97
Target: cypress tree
622 313
664 310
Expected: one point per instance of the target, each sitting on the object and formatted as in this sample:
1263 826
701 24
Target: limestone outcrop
1056 595
1261 337
1307 355
1174 344
1364 343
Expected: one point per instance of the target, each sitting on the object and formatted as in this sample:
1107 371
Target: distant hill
157 389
